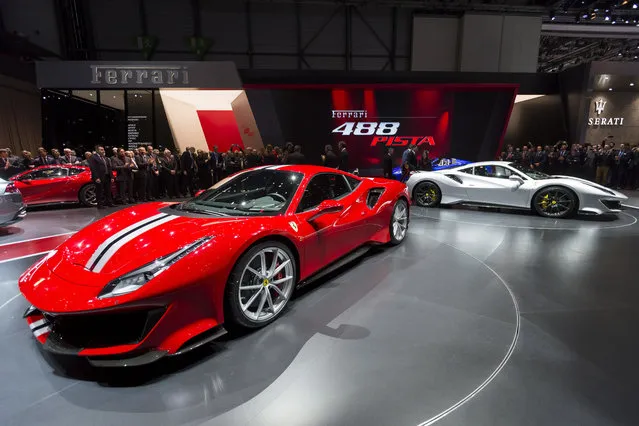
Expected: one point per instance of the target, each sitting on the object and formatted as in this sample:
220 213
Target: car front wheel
556 202
399 222
260 285
427 194
87 195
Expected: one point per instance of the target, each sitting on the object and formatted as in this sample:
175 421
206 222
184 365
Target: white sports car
509 185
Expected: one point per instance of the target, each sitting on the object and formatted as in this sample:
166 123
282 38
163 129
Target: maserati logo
600 104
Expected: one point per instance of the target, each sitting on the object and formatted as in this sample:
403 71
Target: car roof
307 169
488 163
53 166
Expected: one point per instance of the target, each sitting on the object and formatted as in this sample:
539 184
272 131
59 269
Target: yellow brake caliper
544 202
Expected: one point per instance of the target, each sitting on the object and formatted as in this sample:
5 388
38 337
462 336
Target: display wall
461 121
539 120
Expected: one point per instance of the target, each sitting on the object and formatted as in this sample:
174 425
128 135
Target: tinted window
258 192
46 173
353 182
325 186
468 170
73 172
493 171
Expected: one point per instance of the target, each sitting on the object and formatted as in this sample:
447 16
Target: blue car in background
438 164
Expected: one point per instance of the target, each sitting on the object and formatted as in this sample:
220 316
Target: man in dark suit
169 173
5 165
43 158
123 177
540 159
387 164
296 157
68 158
330 159
140 179
189 170
343 157
101 175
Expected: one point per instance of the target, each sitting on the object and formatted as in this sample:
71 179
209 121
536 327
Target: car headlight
137 278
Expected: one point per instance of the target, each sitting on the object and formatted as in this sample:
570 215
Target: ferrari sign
384 133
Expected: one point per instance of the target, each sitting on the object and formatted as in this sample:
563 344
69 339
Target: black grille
102 330
373 197
612 205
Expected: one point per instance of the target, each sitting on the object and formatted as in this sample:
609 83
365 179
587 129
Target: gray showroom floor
479 318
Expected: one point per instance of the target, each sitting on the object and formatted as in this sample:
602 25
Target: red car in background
163 278
56 184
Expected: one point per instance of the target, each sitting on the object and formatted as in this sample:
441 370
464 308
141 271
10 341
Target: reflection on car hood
592 185
130 239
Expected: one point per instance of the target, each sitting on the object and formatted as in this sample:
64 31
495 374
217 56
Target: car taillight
11 189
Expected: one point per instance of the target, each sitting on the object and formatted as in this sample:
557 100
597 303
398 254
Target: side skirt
357 253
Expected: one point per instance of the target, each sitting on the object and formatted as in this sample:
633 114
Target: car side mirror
516 178
326 207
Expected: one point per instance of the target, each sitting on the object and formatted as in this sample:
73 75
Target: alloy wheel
400 221
266 284
427 194
555 203
89 195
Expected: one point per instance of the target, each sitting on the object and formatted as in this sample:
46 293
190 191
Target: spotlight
634 5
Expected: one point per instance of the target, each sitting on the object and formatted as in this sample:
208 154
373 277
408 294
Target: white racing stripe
37 323
122 241
41 331
117 235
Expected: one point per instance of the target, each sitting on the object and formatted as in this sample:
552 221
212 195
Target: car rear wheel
399 222
556 202
427 194
87 195
260 285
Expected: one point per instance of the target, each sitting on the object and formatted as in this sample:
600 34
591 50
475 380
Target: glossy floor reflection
418 334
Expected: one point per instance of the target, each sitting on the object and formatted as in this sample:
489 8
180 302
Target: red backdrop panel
220 129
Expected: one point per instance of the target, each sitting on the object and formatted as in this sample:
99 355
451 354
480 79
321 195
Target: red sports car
163 278
56 184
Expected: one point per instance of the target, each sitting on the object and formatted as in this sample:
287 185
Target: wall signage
384 133
600 106
139 75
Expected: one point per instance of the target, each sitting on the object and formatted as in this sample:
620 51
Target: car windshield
260 192
533 174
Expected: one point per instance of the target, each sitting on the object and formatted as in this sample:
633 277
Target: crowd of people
605 164
147 173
